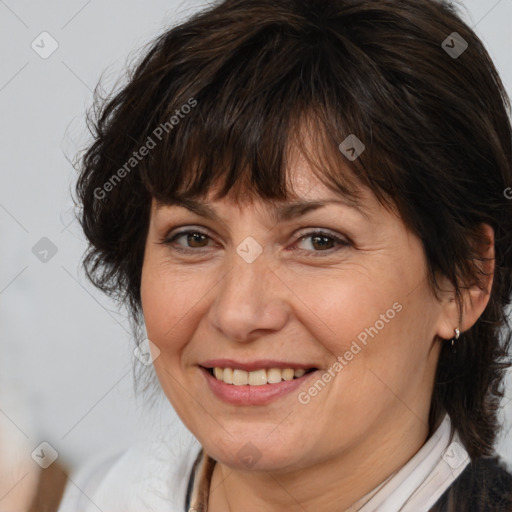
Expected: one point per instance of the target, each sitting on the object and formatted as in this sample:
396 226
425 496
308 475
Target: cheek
386 359
169 320
161 306
373 322
172 303
344 307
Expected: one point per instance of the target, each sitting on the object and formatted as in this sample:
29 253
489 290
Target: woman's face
333 288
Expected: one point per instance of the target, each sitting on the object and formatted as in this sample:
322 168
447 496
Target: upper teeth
256 378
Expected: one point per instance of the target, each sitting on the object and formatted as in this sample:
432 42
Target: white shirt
150 476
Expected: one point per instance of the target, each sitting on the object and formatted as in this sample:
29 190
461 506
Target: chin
253 452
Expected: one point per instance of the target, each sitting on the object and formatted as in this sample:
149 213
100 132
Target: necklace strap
201 487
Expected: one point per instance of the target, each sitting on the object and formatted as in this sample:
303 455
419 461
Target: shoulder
484 486
148 476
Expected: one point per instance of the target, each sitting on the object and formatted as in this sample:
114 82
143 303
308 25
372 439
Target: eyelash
310 234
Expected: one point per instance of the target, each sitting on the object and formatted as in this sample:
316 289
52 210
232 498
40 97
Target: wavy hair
221 98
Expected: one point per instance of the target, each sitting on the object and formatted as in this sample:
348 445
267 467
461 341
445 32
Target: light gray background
66 354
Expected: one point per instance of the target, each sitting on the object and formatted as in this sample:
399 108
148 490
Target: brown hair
220 98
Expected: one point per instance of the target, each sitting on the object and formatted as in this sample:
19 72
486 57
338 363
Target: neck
334 484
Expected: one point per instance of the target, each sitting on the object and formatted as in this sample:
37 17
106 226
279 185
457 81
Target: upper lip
250 366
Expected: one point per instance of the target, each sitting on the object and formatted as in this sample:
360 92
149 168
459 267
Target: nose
250 301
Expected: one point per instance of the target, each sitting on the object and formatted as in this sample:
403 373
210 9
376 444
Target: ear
475 297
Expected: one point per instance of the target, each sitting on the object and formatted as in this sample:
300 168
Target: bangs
258 108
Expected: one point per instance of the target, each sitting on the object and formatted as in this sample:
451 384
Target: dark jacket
484 486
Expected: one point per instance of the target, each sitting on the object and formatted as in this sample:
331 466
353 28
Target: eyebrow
281 213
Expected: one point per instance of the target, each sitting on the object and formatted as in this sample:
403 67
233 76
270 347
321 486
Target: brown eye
196 239
320 241
190 240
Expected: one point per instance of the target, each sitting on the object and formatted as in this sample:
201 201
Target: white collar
421 482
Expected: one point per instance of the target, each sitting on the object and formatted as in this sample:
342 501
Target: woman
305 204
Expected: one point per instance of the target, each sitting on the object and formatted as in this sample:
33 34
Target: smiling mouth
260 377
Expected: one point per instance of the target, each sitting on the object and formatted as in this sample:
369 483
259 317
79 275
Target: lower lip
253 395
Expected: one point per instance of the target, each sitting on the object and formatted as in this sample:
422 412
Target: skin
289 305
